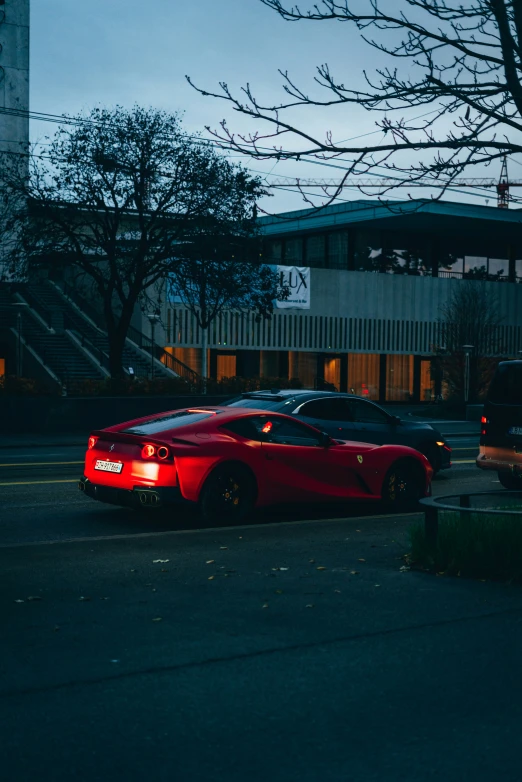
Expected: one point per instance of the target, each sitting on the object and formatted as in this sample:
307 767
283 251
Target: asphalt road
291 648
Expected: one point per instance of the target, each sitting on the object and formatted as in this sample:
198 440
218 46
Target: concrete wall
14 74
397 296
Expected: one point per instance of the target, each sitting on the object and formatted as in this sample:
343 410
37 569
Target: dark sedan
348 417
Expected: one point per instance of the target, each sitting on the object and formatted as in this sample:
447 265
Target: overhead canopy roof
491 228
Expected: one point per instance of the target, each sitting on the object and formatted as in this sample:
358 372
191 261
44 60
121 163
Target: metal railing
135 335
467 503
167 359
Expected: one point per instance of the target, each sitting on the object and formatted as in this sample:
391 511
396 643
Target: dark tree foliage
216 273
470 317
457 61
113 197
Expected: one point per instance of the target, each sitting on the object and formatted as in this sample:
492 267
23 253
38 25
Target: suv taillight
92 442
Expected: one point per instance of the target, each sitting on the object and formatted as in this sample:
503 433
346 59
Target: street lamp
467 352
153 319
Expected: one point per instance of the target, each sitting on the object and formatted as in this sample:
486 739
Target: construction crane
502 186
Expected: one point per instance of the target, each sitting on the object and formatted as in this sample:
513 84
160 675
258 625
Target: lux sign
297 279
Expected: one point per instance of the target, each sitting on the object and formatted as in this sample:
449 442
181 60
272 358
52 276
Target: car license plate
105 466
515 430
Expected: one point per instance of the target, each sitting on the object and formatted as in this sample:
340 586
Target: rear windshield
170 421
506 387
256 403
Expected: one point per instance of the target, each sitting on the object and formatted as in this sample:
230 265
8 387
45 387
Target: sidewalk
42 440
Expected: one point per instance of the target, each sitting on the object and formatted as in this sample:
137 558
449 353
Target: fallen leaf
265 605
311 560
377 585
320 568
361 560
354 572
404 568
284 568
34 597
211 578
153 590
114 661
133 571
84 599
210 561
155 561
357 530
279 591
337 591
310 605
223 548
164 570
104 598
19 601
157 619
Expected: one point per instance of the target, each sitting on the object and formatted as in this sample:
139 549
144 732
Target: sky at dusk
107 52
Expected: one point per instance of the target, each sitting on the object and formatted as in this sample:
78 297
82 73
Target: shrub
476 545
26 386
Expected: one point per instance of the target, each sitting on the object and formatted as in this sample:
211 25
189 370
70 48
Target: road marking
464 461
35 483
37 464
211 530
470 448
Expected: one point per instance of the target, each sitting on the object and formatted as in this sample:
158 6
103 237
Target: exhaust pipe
149 498
81 486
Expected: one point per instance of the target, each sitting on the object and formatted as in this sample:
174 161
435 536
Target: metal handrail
101 355
166 358
136 336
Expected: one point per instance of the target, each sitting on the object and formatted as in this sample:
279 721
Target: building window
363 375
399 378
316 251
338 250
332 371
273 250
499 267
226 365
293 251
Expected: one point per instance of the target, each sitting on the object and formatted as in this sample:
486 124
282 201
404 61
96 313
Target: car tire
403 485
228 495
510 481
430 451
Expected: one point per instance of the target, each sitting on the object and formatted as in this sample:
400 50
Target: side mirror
325 440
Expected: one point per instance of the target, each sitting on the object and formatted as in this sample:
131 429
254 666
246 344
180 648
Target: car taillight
484 421
148 451
163 452
92 442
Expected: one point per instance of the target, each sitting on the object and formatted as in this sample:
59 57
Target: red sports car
229 460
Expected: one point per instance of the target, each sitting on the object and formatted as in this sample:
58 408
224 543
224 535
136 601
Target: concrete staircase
60 311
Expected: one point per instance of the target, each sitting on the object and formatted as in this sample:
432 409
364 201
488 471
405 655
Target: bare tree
114 195
471 317
216 274
459 61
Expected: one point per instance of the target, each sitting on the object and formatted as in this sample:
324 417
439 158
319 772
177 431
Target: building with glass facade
377 276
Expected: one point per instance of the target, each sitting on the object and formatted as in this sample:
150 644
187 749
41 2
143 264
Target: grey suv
348 417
